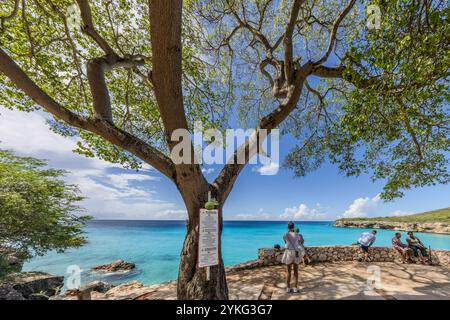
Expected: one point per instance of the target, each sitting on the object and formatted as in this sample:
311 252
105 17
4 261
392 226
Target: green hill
441 215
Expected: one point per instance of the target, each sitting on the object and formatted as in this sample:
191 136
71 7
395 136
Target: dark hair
297 230
398 233
374 231
277 246
410 232
290 225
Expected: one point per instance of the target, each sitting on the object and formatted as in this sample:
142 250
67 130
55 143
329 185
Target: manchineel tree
369 89
38 209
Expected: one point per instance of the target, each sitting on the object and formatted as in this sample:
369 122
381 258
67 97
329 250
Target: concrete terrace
350 281
321 281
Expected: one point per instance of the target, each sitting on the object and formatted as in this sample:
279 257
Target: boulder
7 292
31 286
118 265
85 292
100 286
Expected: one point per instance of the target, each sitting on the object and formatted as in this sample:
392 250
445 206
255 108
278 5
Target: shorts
364 248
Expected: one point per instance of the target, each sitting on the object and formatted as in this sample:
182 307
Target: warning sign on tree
208 238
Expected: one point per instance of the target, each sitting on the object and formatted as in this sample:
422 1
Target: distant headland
437 221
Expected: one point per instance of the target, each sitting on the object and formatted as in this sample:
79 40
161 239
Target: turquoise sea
155 246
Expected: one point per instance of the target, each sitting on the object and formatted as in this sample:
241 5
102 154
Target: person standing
365 241
292 256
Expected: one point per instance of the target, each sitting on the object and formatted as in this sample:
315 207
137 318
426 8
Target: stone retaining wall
348 253
336 254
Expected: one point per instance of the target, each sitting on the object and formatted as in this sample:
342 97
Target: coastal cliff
431 227
437 221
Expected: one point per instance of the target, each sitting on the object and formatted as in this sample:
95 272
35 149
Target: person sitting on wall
365 241
405 251
417 246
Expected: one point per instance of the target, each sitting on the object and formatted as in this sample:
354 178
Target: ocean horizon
155 245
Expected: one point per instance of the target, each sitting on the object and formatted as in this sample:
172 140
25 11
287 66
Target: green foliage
5 267
441 215
55 56
399 118
387 117
391 117
211 204
38 210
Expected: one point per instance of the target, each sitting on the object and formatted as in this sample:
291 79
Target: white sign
208 247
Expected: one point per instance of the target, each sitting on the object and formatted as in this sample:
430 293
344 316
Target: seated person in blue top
365 241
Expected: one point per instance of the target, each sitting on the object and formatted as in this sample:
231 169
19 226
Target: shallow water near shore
154 246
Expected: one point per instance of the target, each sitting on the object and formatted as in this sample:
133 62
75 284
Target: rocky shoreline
336 255
428 227
30 286
42 286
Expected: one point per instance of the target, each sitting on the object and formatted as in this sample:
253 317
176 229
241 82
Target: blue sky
115 193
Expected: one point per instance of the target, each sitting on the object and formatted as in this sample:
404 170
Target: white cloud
370 207
108 196
303 212
260 215
124 180
362 207
268 169
172 215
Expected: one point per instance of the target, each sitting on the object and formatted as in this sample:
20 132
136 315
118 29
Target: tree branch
89 28
227 177
99 90
9 68
12 14
165 32
166 59
287 40
103 128
329 72
96 69
334 30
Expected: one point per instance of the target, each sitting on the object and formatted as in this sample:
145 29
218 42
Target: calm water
155 246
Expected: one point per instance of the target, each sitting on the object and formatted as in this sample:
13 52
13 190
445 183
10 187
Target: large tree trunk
166 21
192 282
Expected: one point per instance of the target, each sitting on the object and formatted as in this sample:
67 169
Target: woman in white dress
292 256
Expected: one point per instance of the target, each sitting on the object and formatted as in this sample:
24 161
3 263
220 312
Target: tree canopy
38 209
381 93
364 86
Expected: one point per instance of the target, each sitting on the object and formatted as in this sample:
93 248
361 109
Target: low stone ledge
271 256
335 254
244 266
